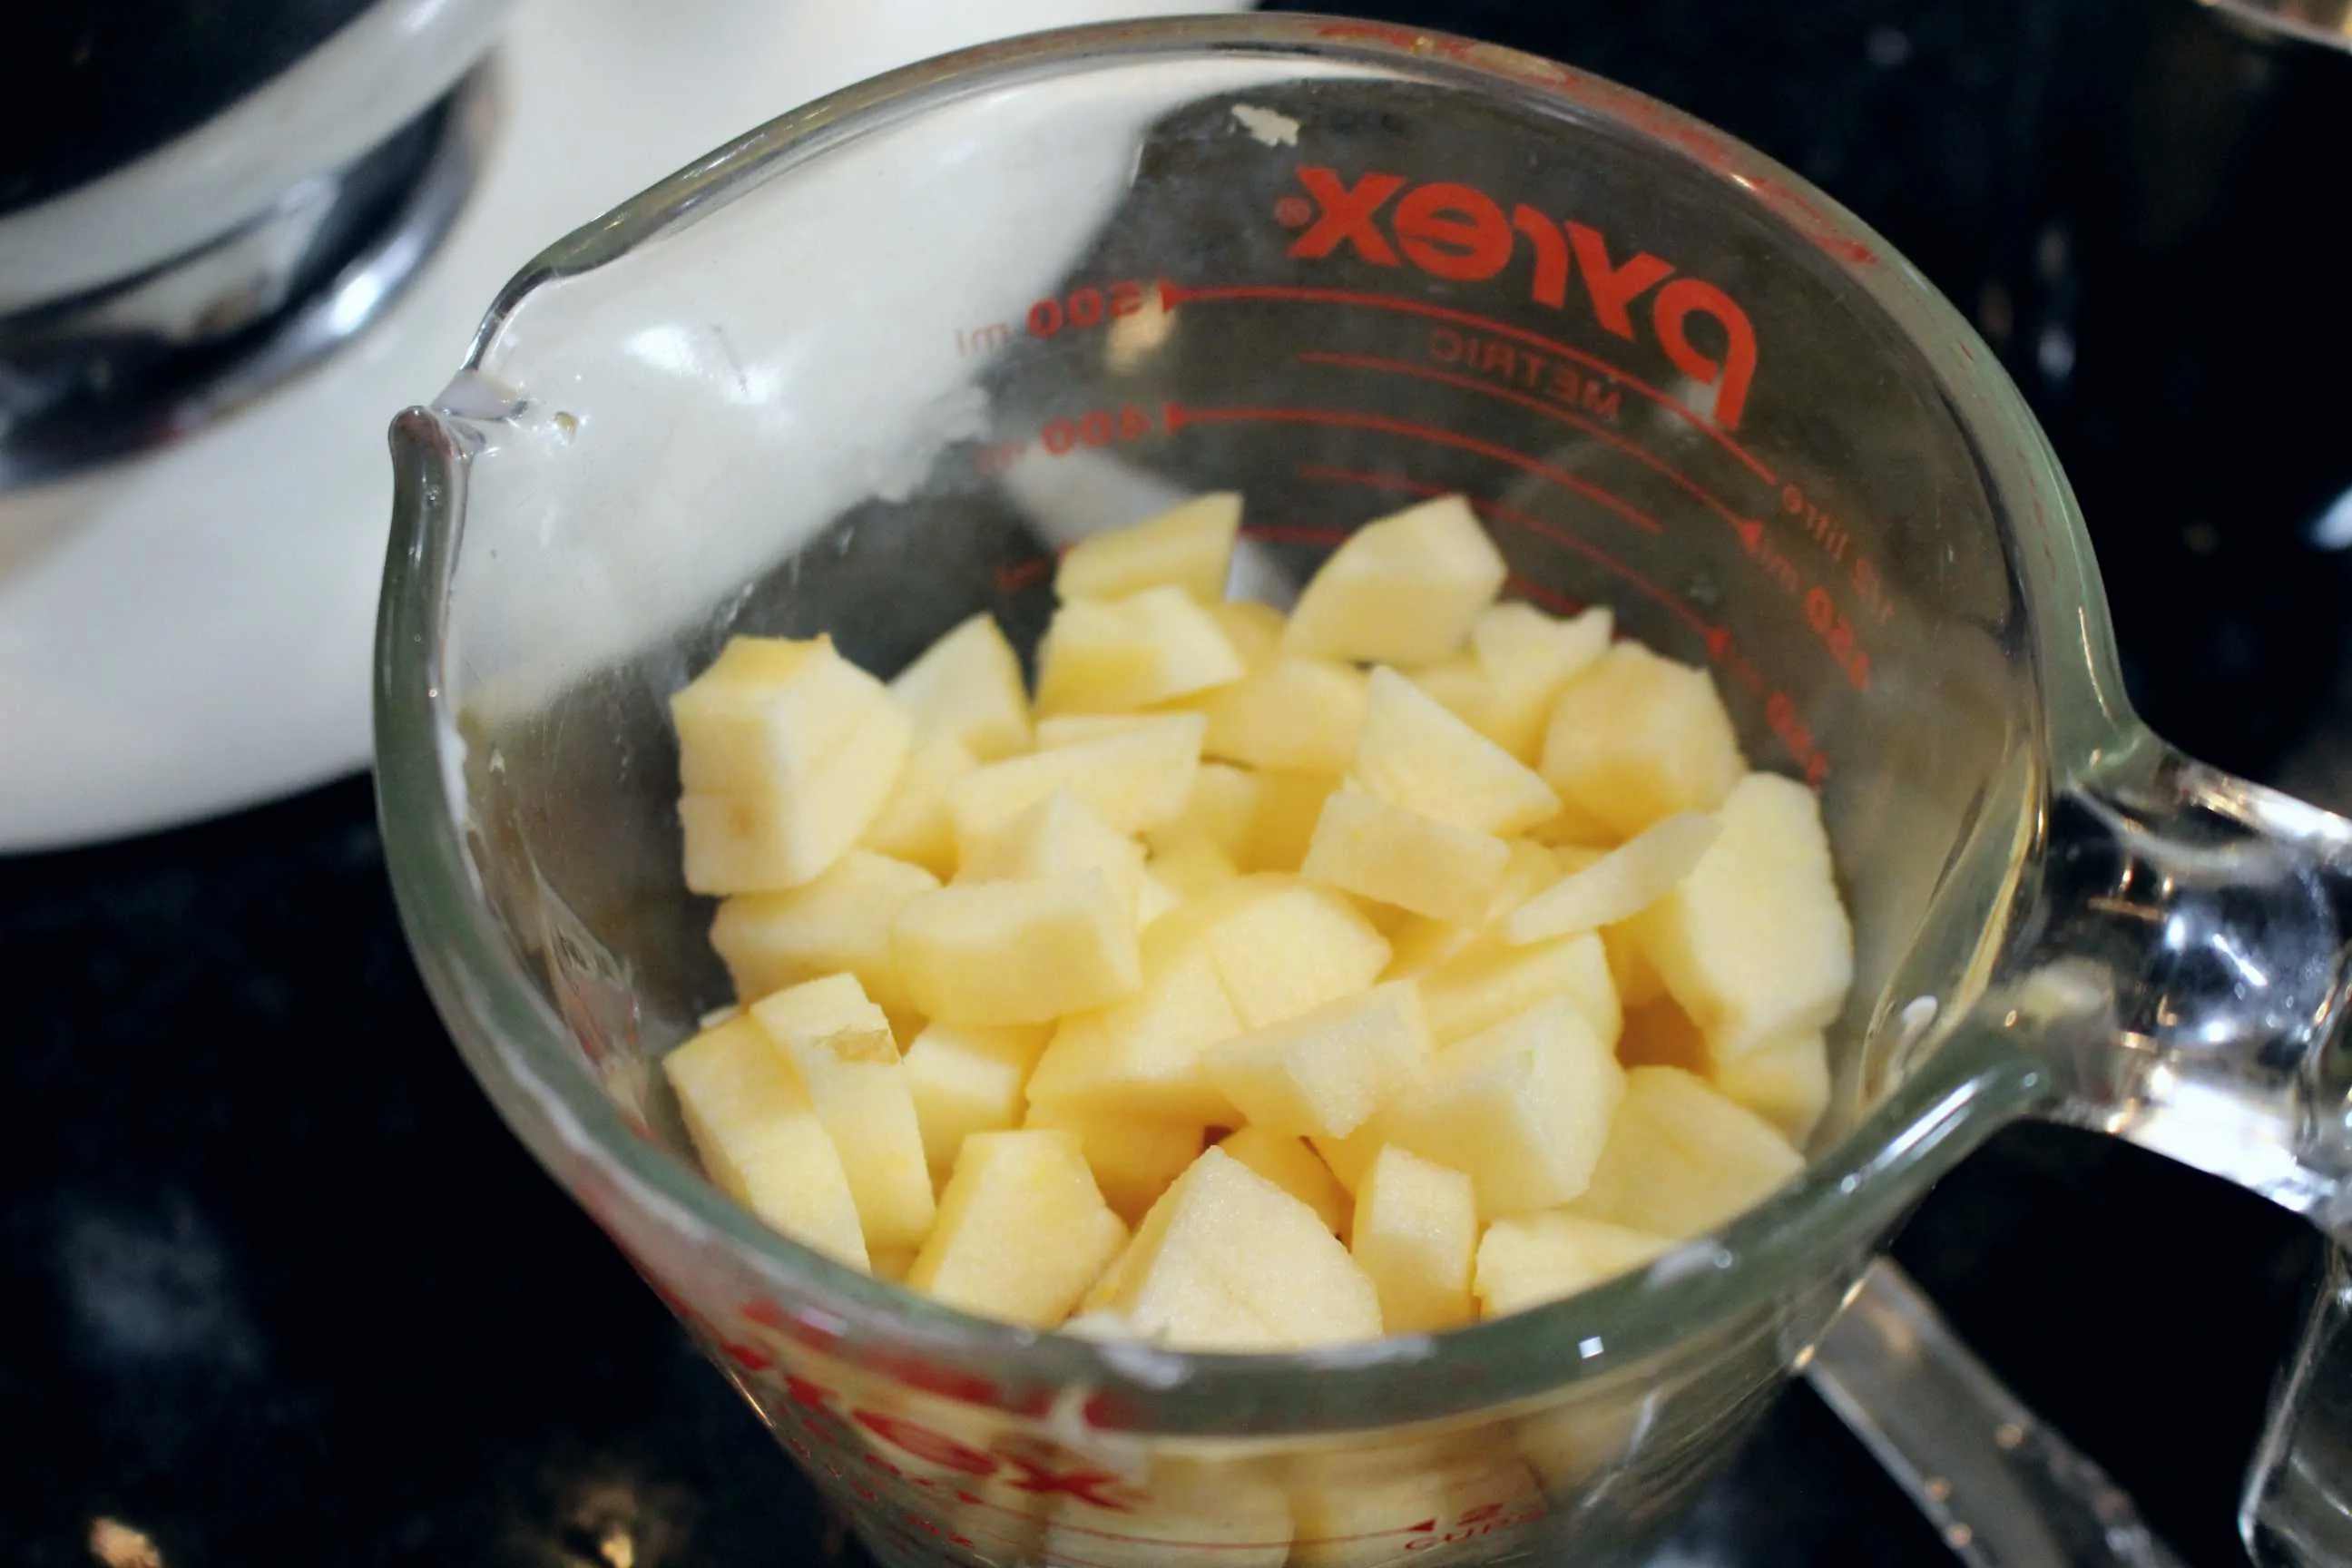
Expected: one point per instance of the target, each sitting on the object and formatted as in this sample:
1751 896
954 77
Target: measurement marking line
1717 640
1174 294
1747 528
1179 416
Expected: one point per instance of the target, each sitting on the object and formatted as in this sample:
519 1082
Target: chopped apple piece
1523 1108
915 825
1156 900
1284 946
1419 863
1059 730
1490 981
1022 951
1519 644
1134 1158
1528 1259
1290 1164
1415 754
1404 590
840 1044
1133 780
1298 713
1324 1072
1421 944
1188 862
1223 810
1638 737
1116 656
1289 804
1189 547
1253 629
1618 886
767 714
1754 943
1022 1231
839 923
1227 1260
967 1079
1525 657
1057 836
1681 1159
1416 1232
967 688
1143 1056
788 834
1788 1085
760 1140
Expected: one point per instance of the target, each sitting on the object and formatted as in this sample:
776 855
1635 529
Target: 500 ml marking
1823 617
1090 305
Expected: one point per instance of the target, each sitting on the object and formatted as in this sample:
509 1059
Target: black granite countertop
280 1288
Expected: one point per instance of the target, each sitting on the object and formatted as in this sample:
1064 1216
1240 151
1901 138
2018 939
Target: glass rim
1851 1192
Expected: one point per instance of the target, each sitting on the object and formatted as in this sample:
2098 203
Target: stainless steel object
170 350
2001 1488
152 299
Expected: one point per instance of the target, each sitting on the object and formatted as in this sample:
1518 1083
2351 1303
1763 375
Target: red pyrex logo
1461 233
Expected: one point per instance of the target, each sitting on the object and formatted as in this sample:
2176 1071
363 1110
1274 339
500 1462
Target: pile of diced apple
1265 981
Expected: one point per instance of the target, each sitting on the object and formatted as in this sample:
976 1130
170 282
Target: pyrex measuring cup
863 370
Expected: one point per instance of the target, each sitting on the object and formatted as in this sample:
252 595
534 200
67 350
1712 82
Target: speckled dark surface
280 1289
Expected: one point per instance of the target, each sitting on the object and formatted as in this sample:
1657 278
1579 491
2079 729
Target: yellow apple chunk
1681 1159
1188 547
1788 1085
1134 1158
1143 1056
1528 1259
967 688
1415 754
1057 836
1303 715
788 834
1754 943
841 1045
1022 1231
1490 981
1323 1073
1117 655
1290 1164
1638 737
1134 780
1621 884
838 924
1404 590
1227 1260
760 1140
915 825
1282 946
1420 864
1523 1108
1020 952
1416 1231
967 1079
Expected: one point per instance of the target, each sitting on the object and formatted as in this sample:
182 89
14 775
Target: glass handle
2183 972
2003 1489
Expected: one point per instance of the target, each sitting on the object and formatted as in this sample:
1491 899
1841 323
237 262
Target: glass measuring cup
863 370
